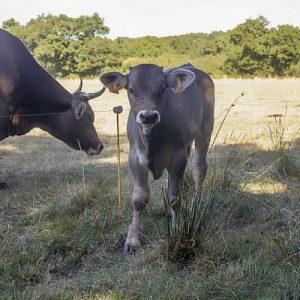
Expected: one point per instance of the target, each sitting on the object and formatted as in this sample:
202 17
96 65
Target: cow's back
9 78
10 52
32 85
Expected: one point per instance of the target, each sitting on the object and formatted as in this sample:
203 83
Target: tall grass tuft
200 216
203 215
285 163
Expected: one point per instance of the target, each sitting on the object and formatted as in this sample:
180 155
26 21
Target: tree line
69 47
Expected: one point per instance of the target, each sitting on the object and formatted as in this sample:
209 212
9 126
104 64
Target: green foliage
70 46
294 70
285 49
96 56
55 41
248 56
262 51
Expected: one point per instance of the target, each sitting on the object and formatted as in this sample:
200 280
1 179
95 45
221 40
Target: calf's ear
179 79
114 81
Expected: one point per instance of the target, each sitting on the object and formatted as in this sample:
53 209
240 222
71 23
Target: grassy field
61 235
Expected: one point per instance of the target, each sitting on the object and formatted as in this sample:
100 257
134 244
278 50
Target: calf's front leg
140 197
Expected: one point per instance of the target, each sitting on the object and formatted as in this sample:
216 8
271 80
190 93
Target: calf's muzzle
148 117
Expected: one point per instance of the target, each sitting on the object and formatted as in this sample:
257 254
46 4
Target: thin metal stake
118 110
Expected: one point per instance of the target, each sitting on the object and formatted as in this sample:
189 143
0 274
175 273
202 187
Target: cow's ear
114 81
179 79
79 109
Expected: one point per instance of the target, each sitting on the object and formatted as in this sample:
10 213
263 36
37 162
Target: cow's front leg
175 182
140 197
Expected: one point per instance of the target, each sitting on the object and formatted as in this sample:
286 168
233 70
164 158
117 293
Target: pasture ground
61 234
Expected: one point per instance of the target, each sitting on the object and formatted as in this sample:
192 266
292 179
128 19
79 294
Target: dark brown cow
169 110
27 89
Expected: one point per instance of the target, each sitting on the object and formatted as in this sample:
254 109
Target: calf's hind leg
200 163
175 181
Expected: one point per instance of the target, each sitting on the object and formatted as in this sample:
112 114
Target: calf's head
146 85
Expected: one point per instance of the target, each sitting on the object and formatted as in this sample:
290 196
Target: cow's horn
80 86
89 96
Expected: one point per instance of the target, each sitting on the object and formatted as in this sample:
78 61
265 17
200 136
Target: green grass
62 239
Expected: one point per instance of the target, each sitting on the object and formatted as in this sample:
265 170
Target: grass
285 163
202 214
194 225
61 238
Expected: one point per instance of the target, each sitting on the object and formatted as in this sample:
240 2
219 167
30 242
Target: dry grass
61 237
247 122
261 98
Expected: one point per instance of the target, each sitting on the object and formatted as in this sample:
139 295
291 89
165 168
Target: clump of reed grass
200 216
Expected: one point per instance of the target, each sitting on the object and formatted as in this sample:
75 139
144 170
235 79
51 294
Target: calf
169 110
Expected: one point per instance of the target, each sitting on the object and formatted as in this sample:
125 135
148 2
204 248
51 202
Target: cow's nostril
101 147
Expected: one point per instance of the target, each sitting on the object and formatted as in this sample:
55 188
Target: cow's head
146 85
75 127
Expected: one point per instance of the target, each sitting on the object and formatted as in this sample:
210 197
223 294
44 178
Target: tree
98 55
54 40
285 50
77 46
248 55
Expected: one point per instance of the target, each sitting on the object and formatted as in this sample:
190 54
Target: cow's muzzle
148 119
97 150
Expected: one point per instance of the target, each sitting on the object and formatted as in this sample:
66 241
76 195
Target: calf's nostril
149 118
142 117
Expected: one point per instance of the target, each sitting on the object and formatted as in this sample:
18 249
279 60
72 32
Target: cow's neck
19 124
44 93
23 120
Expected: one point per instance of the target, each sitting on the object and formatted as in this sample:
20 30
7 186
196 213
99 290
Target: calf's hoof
3 185
131 245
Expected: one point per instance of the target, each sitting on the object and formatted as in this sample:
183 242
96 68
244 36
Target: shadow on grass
248 157
61 233
26 157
